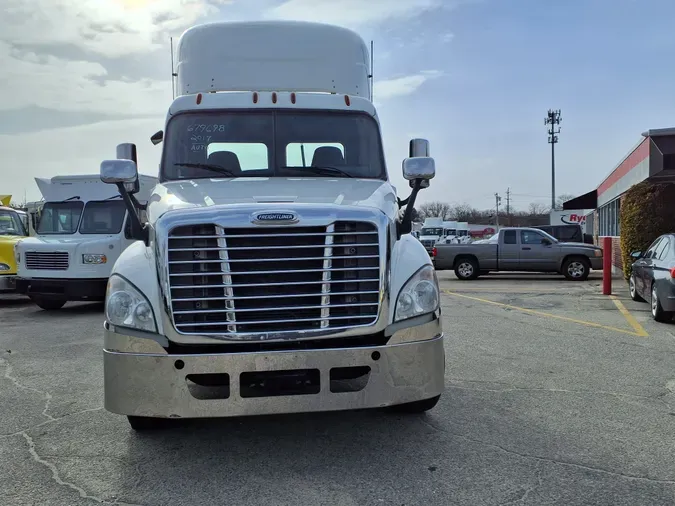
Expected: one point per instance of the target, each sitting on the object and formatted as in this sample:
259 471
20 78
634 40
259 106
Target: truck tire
146 423
417 406
466 269
48 304
576 268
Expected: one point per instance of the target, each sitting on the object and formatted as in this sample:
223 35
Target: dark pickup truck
519 249
567 233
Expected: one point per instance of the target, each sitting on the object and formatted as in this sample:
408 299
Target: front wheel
632 287
417 406
658 313
576 269
49 304
466 268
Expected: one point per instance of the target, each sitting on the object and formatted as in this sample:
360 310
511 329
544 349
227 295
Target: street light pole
553 118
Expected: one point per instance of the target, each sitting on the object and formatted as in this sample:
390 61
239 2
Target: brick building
653 159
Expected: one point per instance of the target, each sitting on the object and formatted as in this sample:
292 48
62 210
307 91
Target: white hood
64 240
76 246
256 190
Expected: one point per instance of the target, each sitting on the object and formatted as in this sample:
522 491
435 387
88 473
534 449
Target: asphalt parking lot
555 395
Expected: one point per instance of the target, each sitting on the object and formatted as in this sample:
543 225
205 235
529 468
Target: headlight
17 254
126 306
4 267
420 295
91 258
598 252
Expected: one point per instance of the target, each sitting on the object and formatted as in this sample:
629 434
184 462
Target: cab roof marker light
348 101
255 97
199 98
293 98
274 97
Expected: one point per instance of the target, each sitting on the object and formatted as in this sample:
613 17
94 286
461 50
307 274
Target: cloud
74 150
31 79
112 28
351 12
401 86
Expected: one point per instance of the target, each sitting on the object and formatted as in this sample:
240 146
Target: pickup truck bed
519 249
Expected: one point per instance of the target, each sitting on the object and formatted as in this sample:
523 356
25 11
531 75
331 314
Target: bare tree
434 210
562 199
537 209
462 212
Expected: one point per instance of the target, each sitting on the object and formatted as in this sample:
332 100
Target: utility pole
498 200
553 118
508 206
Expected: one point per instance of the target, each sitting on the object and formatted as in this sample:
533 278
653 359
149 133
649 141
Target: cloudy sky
476 77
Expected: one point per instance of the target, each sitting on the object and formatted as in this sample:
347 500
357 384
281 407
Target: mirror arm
403 203
138 230
405 225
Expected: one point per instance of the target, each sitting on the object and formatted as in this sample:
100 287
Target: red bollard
607 266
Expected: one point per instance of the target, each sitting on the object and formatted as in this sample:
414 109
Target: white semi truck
276 272
82 230
432 231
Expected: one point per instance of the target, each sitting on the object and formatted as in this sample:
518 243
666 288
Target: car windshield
60 217
432 231
11 224
103 217
272 144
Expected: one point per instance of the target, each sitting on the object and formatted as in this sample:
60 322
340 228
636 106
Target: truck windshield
432 231
60 217
272 144
103 217
11 224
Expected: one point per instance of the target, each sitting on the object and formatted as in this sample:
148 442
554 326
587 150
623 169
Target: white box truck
82 230
276 272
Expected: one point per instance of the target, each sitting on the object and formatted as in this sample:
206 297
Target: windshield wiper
74 197
207 166
118 196
326 170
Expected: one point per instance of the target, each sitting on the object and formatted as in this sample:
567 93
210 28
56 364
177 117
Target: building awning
586 201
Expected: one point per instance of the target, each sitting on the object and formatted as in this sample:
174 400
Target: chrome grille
273 279
47 260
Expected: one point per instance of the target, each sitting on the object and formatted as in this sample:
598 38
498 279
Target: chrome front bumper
7 283
144 380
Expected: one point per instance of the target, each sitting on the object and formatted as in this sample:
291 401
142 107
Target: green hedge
647 211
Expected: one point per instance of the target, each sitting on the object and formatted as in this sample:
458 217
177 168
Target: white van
82 230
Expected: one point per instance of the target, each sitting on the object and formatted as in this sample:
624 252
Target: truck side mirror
124 174
418 148
119 172
419 167
127 151
636 255
157 138
418 170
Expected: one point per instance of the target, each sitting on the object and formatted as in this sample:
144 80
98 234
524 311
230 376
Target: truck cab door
536 252
509 250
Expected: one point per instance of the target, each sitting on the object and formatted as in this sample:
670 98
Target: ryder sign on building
570 218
